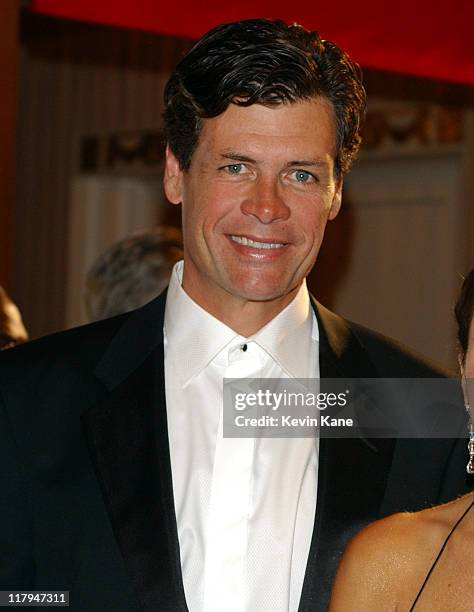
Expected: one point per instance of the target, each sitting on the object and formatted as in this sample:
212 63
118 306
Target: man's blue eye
302 176
235 168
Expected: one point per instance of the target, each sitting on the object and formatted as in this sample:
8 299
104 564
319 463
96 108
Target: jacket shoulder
388 358
78 347
394 358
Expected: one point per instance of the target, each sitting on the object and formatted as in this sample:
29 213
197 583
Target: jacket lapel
128 440
352 472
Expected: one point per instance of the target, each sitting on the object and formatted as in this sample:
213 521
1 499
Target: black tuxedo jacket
86 498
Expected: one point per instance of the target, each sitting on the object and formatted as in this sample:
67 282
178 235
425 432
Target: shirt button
244 347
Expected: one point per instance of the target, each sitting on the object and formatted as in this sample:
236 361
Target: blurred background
81 153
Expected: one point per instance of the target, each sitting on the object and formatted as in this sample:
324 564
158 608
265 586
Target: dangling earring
470 450
470 443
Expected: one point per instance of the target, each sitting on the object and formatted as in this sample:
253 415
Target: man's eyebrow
318 163
234 156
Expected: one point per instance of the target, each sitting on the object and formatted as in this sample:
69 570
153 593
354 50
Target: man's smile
257 244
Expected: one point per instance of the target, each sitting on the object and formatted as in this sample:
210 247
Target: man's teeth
257 245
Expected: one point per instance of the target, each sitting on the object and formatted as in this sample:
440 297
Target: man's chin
262 293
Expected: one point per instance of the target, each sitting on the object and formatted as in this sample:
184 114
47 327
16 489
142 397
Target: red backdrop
419 37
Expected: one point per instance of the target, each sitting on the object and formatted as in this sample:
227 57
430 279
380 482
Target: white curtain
103 209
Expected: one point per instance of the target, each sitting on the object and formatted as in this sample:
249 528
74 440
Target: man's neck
245 317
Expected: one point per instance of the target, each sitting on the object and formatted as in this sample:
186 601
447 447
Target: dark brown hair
262 62
464 311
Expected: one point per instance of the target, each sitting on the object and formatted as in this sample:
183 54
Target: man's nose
265 202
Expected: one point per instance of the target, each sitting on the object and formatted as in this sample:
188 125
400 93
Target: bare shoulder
389 540
370 569
400 534
385 564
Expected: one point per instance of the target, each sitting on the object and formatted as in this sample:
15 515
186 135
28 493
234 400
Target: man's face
256 200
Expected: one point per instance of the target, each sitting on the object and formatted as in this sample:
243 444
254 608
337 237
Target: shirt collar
288 338
194 337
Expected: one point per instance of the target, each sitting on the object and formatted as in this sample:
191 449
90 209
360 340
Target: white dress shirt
244 506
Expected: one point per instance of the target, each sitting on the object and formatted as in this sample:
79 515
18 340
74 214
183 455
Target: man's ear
336 200
173 178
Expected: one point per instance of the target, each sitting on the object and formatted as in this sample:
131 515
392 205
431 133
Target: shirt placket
225 566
